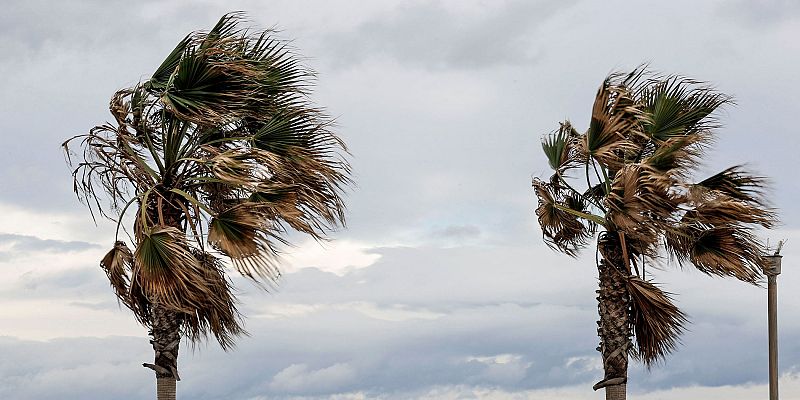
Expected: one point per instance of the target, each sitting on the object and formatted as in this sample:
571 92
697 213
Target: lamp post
772 268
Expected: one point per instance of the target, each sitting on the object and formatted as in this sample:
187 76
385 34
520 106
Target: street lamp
772 268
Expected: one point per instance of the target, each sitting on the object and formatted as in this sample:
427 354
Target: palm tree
219 154
634 164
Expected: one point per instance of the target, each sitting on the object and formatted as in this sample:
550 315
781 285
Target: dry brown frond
561 229
222 320
117 265
657 322
169 274
616 118
242 233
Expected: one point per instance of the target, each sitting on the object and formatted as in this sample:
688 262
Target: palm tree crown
217 155
634 165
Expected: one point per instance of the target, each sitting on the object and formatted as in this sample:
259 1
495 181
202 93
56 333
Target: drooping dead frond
657 322
559 219
223 320
117 265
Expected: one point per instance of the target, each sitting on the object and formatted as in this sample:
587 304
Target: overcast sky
441 287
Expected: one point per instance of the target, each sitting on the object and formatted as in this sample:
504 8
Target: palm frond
117 264
243 234
677 106
222 321
639 200
657 322
559 147
168 273
730 250
736 183
558 218
615 121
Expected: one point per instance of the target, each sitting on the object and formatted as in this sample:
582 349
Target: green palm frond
677 156
677 106
164 72
657 322
559 147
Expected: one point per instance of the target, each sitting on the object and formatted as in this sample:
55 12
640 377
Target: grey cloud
761 13
17 245
458 232
299 378
431 35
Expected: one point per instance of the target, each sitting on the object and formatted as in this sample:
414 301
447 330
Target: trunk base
165 388
616 392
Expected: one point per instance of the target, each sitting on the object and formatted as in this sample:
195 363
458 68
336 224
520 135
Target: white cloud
337 257
394 312
299 377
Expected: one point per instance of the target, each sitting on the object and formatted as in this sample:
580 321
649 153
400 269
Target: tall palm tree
219 154
634 167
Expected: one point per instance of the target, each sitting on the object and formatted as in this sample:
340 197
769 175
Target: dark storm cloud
431 35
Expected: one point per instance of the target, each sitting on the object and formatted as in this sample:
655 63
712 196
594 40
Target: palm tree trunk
614 326
165 388
165 330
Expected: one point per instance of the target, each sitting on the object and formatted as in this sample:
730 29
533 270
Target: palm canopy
630 174
218 154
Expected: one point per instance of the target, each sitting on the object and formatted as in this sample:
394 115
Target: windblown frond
677 106
559 147
615 119
559 219
168 272
657 322
725 251
242 234
737 184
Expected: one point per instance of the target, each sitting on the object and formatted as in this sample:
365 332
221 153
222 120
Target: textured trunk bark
616 392
165 330
614 326
165 388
